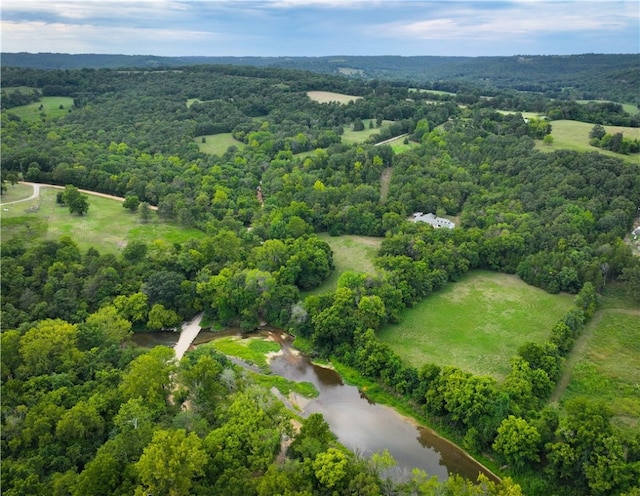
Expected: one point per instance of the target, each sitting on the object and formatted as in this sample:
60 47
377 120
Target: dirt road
37 186
34 195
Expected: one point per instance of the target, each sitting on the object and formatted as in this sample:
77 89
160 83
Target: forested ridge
85 413
587 76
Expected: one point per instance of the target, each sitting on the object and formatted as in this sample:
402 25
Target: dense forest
587 76
84 412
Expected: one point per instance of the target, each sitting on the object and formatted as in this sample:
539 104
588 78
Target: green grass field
16 192
608 368
349 136
217 144
574 135
107 226
50 107
476 324
350 252
252 350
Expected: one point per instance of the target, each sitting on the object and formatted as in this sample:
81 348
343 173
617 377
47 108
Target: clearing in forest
350 252
217 144
349 136
605 366
476 324
51 106
330 96
574 135
107 226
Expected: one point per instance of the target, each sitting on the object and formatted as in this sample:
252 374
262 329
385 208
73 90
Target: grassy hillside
574 135
107 226
52 106
476 324
350 252
609 367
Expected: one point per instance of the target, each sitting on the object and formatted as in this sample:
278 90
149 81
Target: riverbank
375 393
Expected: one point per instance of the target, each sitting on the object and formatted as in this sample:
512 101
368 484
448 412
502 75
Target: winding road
34 195
37 186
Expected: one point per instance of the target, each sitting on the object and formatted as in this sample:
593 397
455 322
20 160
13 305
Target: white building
436 222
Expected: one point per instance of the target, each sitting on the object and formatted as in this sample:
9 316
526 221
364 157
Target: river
358 423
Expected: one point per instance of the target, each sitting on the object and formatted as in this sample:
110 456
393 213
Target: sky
321 27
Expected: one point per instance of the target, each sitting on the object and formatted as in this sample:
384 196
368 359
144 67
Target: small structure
436 222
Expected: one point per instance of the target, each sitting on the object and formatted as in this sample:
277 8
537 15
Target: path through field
34 195
37 186
578 350
189 332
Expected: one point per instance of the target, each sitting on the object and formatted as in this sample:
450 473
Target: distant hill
588 76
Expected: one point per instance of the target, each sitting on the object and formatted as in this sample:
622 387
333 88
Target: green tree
331 469
108 325
76 202
131 203
144 213
149 377
518 442
162 318
49 347
632 277
134 308
170 464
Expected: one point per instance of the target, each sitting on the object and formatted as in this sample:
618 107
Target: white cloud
82 38
524 18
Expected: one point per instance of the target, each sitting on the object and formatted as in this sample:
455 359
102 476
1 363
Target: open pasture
330 96
476 324
217 144
608 366
349 136
50 107
350 252
574 135
107 226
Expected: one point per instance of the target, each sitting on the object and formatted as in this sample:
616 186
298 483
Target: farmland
330 96
476 324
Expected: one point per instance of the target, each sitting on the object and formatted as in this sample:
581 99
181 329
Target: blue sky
321 27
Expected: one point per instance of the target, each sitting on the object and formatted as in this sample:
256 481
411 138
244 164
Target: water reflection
360 424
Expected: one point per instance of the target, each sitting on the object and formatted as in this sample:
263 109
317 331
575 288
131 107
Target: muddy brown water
359 424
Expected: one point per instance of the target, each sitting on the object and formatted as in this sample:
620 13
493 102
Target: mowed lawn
50 107
217 144
608 369
349 136
107 226
574 135
476 324
350 252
